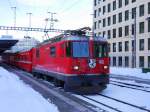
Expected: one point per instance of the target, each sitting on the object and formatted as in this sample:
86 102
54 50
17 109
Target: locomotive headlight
76 67
105 67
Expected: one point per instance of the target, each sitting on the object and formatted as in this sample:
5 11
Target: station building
123 22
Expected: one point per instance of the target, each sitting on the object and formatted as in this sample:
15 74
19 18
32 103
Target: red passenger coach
79 63
24 60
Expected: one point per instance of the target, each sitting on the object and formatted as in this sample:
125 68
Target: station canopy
6 42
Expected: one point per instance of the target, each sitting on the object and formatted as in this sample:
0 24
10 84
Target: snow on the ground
131 96
16 96
129 72
135 97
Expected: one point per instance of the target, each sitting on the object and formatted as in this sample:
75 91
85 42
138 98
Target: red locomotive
74 60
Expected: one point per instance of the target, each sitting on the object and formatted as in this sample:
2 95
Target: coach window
68 49
37 53
53 51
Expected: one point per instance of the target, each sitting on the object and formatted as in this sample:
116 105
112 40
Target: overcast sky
71 14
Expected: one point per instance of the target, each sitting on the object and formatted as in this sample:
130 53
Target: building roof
6 44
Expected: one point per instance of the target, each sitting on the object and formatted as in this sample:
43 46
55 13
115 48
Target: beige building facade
122 22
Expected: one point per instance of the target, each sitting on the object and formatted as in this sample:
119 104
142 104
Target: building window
126 30
114 33
133 45
120 61
114 5
104 22
120 3
99 23
95 25
103 33
141 10
114 19
120 31
95 2
133 12
132 29
149 61
114 61
126 45
133 1
141 43
99 34
99 11
109 48
114 47
126 61
148 25
109 21
109 7
120 17
120 46
109 34
148 43
141 27
141 61
149 8
126 15
126 2
104 9
95 12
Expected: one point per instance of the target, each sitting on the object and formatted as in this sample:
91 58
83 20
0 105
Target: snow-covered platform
16 96
134 74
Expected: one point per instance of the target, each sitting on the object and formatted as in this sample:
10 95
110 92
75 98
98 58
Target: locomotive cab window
53 51
80 49
68 49
100 50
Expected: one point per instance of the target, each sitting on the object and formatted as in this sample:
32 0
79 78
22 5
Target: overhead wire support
29 13
14 9
30 29
51 19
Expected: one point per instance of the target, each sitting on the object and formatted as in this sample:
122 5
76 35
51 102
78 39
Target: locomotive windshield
100 50
80 49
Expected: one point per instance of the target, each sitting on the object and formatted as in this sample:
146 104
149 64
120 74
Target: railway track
130 78
116 109
141 108
110 107
131 86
